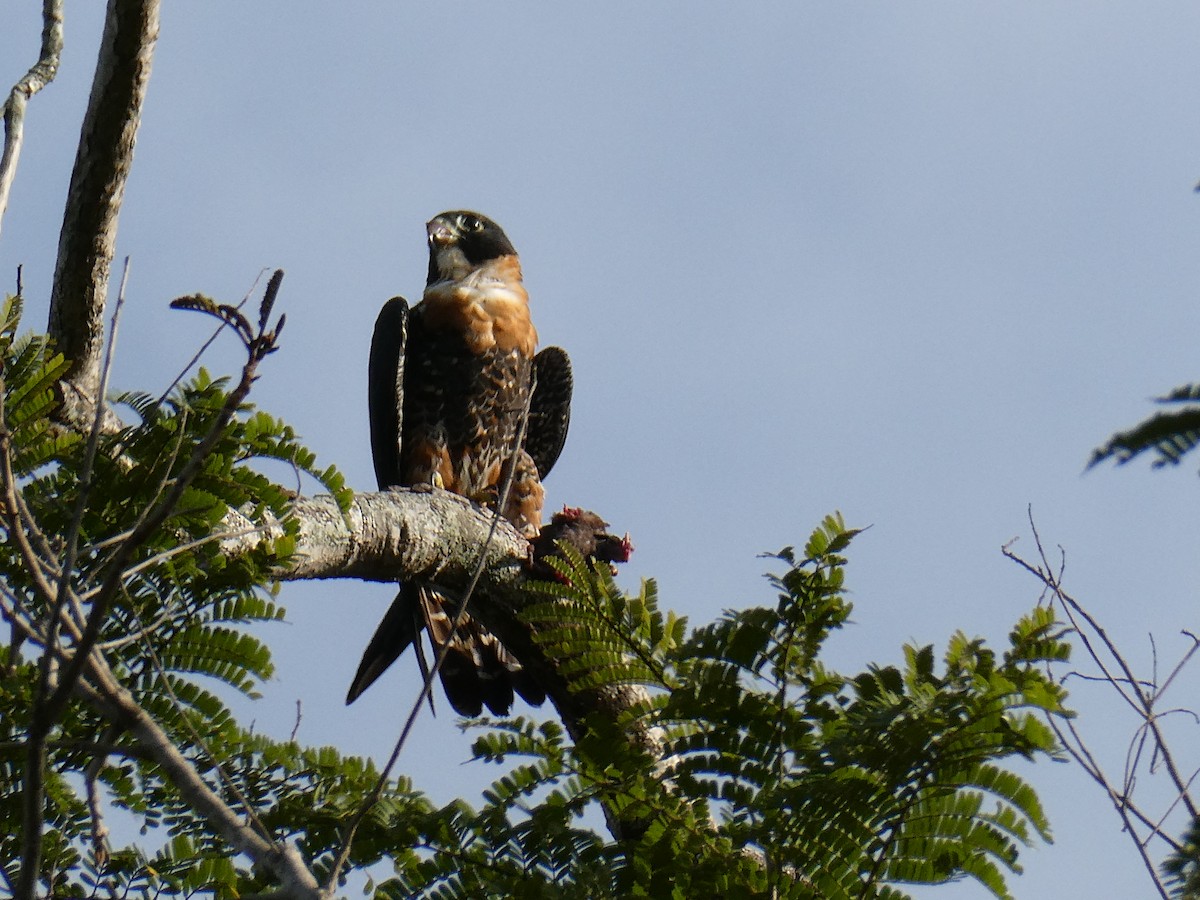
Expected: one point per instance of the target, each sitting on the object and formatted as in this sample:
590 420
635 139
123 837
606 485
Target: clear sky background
907 261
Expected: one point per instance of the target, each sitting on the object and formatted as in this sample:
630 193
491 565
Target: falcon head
461 242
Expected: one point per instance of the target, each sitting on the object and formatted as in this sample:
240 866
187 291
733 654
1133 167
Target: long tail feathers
478 670
396 631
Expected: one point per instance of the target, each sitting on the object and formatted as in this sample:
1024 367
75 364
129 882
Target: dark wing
549 408
385 390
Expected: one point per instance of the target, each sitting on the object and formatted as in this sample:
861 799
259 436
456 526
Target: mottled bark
89 230
439 536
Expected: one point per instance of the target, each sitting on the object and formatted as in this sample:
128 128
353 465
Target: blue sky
907 261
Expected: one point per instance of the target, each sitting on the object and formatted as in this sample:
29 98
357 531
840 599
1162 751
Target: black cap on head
475 236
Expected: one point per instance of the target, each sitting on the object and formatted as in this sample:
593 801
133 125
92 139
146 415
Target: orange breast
490 308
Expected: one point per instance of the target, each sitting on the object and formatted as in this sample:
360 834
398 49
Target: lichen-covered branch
438 536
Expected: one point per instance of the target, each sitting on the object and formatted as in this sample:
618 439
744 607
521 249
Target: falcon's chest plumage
467 379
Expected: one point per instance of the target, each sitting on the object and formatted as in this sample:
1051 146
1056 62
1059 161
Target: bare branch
259 346
1148 747
100 849
89 229
40 75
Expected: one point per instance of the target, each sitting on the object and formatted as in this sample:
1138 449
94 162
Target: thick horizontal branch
438 536
388 536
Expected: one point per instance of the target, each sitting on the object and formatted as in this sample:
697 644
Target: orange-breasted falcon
449 381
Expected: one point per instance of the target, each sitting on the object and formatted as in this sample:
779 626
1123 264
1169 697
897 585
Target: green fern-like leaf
1171 435
601 636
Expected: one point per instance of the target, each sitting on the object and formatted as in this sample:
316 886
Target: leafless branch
1148 746
39 75
102 163
91 777
247 807
258 346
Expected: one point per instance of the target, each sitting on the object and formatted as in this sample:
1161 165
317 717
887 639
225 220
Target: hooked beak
441 232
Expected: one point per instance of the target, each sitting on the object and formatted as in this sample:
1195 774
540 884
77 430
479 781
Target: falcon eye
470 223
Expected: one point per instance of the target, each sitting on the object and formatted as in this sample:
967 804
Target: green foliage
783 777
745 766
30 368
1182 868
175 632
1170 435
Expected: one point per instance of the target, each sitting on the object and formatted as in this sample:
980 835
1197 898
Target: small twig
13 108
1170 809
71 550
99 748
1079 752
1143 696
1083 676
100 851
151 518
179 550
196 357
1182 662
116 703
199 741
296 726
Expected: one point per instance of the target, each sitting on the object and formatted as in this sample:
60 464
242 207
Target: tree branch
437 536
296 880
89 229
40 75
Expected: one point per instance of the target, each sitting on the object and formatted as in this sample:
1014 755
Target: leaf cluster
1170 434
773 776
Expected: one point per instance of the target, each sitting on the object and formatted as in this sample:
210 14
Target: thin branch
1144 696
40 74
1080 753
100 850
204 347
199 741
95 748
259 346
117 704
93 443
1182 662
